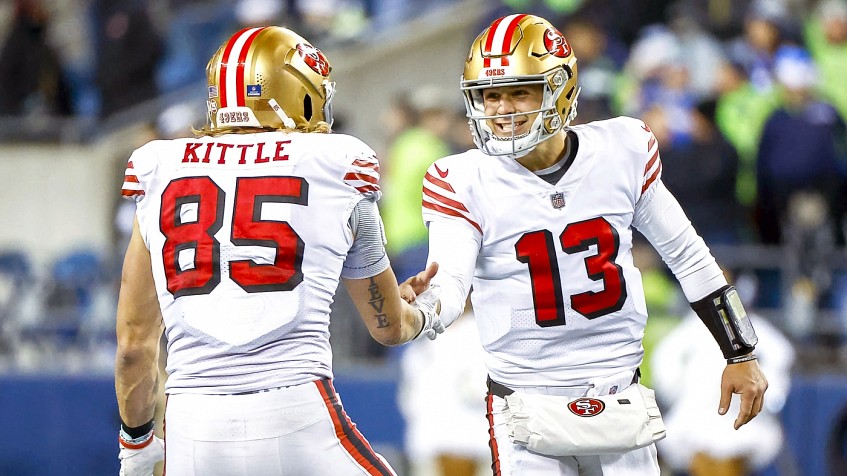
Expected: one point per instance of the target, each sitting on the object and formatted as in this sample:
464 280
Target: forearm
136 383
390 320
454 247
139 329
413 322
393 323
663 222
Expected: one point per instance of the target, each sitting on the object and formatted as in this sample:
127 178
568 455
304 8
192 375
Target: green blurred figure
740 114
826 39
409 155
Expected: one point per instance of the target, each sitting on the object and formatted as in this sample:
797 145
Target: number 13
537 250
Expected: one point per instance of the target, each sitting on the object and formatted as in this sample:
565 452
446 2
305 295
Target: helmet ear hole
307 107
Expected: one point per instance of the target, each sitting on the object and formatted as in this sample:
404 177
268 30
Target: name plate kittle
222 153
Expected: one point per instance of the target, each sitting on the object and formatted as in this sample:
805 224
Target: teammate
539 222
240 238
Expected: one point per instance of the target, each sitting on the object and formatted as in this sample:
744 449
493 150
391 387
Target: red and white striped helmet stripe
499 40
232 88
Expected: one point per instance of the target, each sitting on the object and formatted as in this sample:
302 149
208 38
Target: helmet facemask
546 124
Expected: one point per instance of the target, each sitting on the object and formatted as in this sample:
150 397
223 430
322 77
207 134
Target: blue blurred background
747 98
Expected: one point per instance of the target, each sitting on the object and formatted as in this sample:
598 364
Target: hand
746 379
139 458
427 302
417 284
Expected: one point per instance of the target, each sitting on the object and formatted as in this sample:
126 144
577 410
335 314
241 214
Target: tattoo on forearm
377 301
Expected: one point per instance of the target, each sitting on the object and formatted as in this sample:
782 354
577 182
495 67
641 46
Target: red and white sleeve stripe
363 175
653 169
131 188
440 197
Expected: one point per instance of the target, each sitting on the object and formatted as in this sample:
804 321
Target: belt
499 390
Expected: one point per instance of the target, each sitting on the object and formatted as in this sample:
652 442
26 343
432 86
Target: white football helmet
271 78
519 50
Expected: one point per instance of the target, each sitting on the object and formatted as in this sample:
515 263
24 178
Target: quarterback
538 220
240 239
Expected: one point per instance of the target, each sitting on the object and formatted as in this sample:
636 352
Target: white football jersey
557 298
247 235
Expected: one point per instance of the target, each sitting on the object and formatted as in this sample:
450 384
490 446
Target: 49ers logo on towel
314 58
556 43
586 407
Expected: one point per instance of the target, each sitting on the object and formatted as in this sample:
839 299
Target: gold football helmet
520 49
270 78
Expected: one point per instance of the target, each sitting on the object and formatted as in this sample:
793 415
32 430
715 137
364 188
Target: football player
240 238
538 220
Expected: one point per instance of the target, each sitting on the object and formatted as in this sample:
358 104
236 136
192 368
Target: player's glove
139 455
427 303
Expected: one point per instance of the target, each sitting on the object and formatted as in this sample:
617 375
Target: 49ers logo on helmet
556 43
586 407
314 58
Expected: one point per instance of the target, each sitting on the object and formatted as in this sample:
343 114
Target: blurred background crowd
747 98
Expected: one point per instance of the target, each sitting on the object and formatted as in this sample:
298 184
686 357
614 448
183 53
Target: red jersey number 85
192 212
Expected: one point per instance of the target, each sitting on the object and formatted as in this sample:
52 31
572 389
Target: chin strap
286 121
572 113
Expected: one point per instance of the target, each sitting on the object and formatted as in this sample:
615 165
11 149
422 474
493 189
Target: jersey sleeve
442 197
367 257
362 172
132 189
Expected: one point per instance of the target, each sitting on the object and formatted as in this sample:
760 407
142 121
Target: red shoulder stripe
438 182
444 200
452 213
366 164
652 178
362 177
651 162
367 188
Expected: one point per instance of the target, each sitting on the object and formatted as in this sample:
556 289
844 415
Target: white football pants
293 431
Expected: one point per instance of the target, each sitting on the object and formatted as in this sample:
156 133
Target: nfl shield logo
558 200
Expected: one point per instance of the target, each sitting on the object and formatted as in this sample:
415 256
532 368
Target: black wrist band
741 358
715 312
138 431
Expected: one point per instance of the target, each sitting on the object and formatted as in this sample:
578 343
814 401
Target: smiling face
505 100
